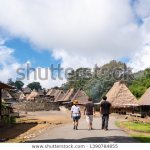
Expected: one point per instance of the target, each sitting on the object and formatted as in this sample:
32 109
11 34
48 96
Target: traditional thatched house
81 96
52 94
6 96
33 95
68 95
41 93
60 96
121 98
144 103
21 95
49 92
27 91
3 86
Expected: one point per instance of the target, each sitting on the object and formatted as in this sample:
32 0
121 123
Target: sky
73 33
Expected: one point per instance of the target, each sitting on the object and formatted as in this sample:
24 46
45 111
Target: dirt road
66 134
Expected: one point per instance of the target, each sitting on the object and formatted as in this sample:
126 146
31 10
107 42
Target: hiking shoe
74 127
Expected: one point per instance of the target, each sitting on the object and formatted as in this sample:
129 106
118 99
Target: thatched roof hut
120 96
68 95
3 86
145 99
33 95
41 92
52 92
81 96
60 96
6 95
21 96
26 90
49 92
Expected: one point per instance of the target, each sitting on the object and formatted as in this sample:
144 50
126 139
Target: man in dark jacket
105 111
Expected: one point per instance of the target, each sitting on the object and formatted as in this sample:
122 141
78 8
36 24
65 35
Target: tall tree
19 84
78 78
97 83
140 83
10 82
35 85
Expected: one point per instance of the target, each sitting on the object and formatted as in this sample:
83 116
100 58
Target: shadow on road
15 130
100 129
111 139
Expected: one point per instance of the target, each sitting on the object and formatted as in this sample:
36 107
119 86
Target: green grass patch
137 130
142 137
137 126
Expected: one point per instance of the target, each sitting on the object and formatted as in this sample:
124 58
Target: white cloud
80 32
143 8
9 67
45 77
8 64
140 60
93 29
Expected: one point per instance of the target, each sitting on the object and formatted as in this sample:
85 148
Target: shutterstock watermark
56 72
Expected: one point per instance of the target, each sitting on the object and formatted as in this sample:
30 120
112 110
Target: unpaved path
66 134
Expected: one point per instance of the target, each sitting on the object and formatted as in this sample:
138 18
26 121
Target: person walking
89 111
105 111
75 114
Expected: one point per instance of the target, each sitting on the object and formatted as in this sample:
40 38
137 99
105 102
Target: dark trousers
105 118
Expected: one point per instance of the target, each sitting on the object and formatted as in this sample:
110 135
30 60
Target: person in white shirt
75 114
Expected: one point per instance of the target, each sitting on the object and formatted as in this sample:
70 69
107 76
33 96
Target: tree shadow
11 132
110 139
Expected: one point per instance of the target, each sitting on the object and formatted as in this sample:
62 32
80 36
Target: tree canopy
35 85
140 83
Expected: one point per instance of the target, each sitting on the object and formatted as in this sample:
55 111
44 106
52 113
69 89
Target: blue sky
73 34
24 51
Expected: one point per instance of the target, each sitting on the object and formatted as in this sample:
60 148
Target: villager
75 114
89 111
105 111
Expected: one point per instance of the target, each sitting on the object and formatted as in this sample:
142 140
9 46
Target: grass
142 137
137 126
138 130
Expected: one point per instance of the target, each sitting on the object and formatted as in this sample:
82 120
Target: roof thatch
60 96
53 92
26 90
22 96
33 95
119 95
50 92
69 94
81 96
41 93
145 99
5 86
6 95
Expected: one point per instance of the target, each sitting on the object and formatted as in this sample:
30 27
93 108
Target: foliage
19 85
97 83
10 82
9 120
35 85
137 126
140 83
141 130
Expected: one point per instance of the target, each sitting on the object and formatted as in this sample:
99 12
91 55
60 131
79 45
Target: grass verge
137 130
